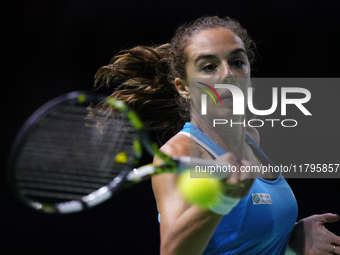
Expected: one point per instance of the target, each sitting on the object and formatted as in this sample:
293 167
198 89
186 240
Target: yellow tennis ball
202 192
121 158
81 98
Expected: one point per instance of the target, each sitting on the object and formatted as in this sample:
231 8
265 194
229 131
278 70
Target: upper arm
170 202
185 229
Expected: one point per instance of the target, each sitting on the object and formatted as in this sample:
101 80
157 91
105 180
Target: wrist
225 205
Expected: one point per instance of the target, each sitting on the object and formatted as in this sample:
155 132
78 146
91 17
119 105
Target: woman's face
216 56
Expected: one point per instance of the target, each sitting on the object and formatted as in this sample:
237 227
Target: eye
238 63
209 68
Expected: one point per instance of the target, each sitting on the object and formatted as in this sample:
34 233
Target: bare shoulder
254 134
178 145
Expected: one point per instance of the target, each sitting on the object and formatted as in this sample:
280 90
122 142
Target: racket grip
137 174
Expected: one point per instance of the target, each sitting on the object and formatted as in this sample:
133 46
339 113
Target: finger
335 239
245 162
327 218
334 249
244 174
234 177
230 158
331 218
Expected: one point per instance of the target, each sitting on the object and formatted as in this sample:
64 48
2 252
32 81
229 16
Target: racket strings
64 157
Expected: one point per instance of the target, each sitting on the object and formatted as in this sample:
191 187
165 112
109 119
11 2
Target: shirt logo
261 199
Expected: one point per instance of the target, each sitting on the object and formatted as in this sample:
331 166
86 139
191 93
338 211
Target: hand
310 237
238 183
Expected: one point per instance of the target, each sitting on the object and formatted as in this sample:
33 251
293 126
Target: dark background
53 47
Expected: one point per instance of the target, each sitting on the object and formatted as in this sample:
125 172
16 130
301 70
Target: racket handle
218 169
137 174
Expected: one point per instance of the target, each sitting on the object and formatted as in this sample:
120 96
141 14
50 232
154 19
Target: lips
226 96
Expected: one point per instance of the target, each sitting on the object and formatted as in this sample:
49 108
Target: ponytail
140 78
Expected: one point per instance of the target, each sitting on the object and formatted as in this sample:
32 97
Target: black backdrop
54 47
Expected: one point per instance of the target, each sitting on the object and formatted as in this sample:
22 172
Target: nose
225 72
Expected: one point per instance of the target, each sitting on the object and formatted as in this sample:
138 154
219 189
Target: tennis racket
63 162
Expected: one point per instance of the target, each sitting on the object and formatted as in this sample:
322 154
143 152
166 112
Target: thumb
327 218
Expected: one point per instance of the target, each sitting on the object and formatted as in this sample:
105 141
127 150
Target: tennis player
257 214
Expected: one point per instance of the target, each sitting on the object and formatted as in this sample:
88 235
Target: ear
182 87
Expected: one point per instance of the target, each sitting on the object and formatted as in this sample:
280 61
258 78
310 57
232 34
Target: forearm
189 233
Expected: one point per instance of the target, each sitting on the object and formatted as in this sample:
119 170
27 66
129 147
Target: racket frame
116 185
123 180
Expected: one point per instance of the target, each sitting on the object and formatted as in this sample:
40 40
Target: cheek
244 84
243 73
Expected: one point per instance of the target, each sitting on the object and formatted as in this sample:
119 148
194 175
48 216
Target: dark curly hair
143 77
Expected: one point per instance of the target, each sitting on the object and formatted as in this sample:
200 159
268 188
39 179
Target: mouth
226 97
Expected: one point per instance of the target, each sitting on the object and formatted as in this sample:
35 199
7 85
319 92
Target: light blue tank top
262 222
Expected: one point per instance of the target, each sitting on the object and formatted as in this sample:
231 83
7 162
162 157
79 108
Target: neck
229 137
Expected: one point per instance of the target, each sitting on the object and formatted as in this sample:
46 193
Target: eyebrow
210 56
